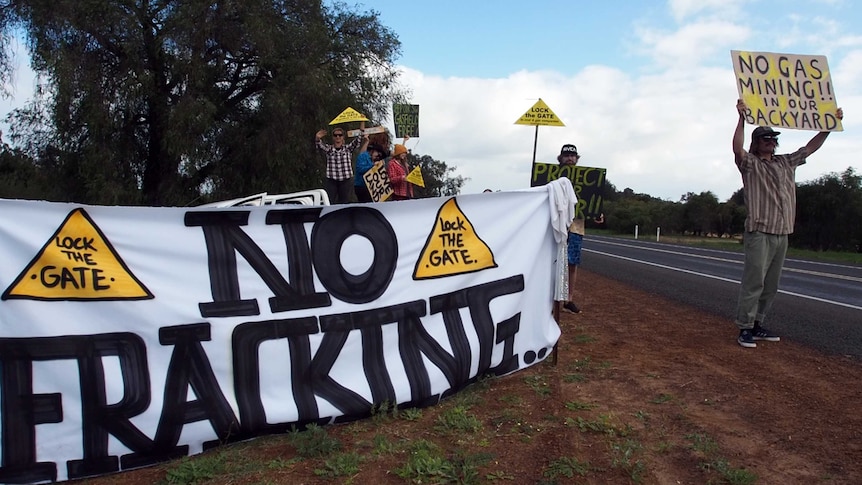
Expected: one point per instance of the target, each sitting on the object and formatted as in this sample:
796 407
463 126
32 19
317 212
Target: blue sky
645 88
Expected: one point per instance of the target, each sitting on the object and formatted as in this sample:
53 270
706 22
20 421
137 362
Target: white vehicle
305 197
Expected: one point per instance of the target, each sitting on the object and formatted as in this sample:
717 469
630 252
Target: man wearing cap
569 156
769 189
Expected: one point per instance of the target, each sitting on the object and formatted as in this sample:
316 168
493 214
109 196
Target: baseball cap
764 131
569 149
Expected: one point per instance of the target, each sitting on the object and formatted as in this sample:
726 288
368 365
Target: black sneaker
746 338
760 333
571 307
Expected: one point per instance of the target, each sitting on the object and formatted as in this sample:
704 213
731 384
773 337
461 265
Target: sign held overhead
539 115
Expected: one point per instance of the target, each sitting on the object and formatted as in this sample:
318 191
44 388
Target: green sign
588 183
406 120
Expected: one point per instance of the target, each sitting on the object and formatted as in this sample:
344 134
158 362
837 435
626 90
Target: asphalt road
819 304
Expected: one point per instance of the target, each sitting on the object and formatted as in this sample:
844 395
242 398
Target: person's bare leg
573 276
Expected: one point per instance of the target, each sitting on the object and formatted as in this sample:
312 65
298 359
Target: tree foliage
828 213
437 176
160 102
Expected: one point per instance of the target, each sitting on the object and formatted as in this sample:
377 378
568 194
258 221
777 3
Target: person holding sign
569 156
398 170
366 160
339 163
769 189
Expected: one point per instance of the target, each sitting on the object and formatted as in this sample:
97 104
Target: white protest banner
786 90
134 335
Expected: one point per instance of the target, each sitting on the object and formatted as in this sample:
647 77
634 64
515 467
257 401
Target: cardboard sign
786 90
406 118
367 131
377 181
588 182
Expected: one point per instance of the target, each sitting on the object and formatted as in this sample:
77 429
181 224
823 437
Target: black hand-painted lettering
300 271
327 238
188 367
246 341
99 419
370 324
224 239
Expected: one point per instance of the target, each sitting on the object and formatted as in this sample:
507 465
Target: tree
437 177
828 213
700 216
161 101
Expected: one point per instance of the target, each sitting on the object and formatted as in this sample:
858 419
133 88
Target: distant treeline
828 213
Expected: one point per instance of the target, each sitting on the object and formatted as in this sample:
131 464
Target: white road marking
725 260
823 300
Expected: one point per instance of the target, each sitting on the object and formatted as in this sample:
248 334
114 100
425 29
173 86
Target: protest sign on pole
539 115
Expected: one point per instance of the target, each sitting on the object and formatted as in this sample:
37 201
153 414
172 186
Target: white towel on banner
561 200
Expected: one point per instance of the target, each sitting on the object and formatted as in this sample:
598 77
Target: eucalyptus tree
160 102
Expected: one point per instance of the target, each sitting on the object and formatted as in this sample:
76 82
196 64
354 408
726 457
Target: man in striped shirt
769 189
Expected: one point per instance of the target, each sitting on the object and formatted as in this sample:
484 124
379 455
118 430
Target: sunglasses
770 139
338 134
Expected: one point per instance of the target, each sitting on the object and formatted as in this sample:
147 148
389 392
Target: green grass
313 442
566 467
428 463
458 420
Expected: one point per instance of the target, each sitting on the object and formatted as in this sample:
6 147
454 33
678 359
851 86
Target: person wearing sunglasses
769 190
339 163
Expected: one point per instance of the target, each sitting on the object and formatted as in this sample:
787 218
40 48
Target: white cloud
692 44
683 9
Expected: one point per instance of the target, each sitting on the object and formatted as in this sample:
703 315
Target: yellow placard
453 247
786 90
77 263
349 114
377 181
415 177
539 115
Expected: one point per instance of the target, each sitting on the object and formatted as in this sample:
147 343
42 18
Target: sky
646 89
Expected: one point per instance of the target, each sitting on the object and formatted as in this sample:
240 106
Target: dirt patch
644 390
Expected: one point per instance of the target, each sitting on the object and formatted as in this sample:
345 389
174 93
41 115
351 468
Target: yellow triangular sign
77 263
453 247
539 114
349 114
415 177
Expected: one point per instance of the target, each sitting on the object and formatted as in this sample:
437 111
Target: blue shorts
574 248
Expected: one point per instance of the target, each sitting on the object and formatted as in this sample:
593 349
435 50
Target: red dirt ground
644 390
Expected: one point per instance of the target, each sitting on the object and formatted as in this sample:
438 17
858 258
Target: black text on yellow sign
539 114
77 263
453 247
377 181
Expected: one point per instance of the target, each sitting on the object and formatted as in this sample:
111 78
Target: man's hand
839 114
741 108
320 134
